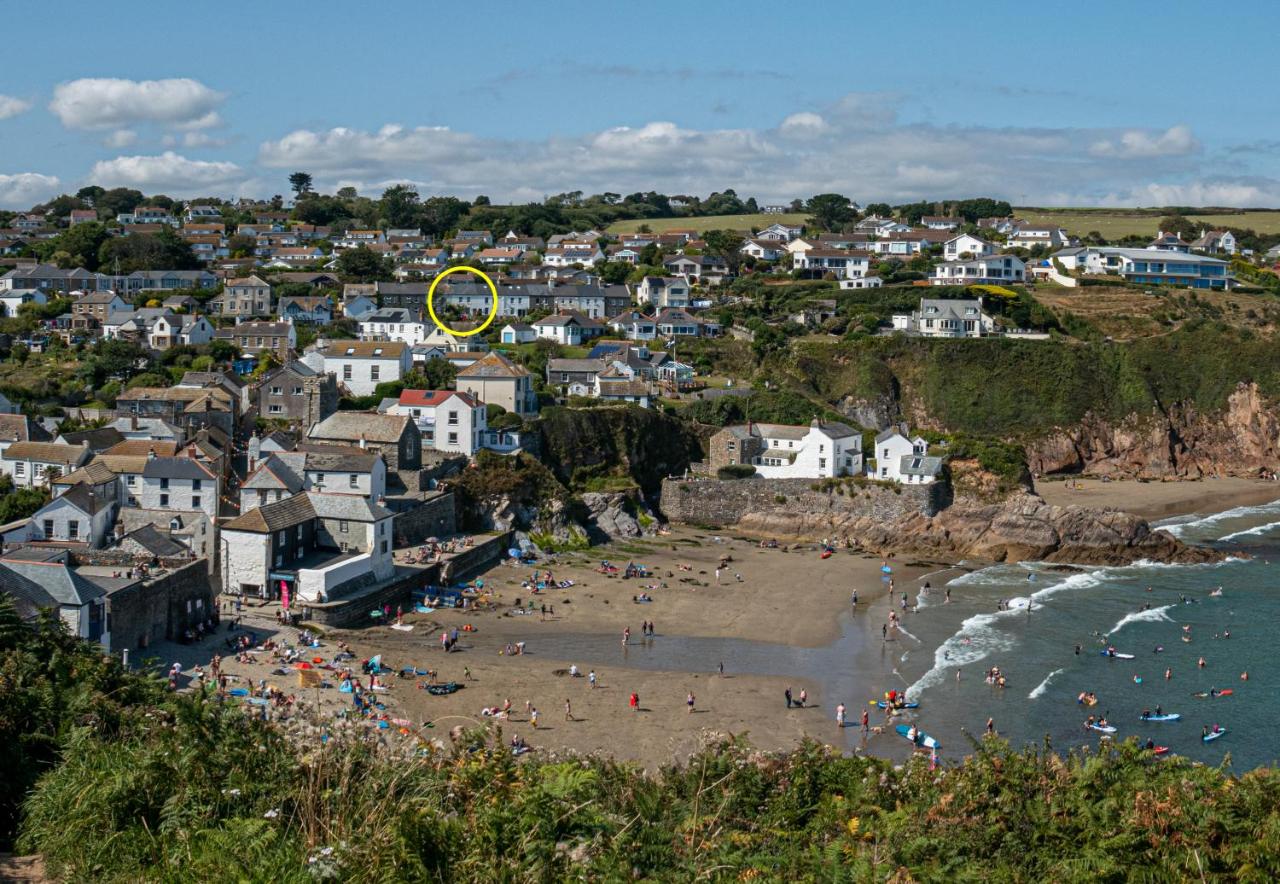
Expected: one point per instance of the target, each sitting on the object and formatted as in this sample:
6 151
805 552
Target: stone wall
354 611
435 516
717 503
485 553
160 608
127 558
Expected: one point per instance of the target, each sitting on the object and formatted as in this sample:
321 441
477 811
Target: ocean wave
1250 532
977 639
1150 615
1039 689
1238 512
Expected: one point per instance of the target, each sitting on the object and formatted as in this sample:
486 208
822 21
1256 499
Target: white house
180 483
358 307
569 330
286 473
780 232
448 420
1215 242
12 299
663 291
173 330
518 333
361 365
1029 236
946 318
1150 266
843 263
818 451
81 515
966 244
568 254
32 464
82 603
764 250
393 324
934 222
862 282
904 460
991 270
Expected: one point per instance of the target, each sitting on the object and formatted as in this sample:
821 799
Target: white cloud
1235 192
1176 141
11 107
169 172
120 138
803 125
102 103
854 146
25 189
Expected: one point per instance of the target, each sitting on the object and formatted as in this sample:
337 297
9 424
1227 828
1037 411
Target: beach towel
403 627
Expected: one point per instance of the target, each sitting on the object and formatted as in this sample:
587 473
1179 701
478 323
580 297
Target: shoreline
1157 500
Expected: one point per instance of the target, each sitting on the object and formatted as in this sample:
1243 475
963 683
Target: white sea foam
1239 512
1150 615
907 634
977 639
1039 689
1251 532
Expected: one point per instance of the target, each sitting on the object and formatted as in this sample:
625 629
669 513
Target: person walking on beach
866 723
722 669
787 694
854 598
884 632
591 679
717 576
840 715
533 718
626 634
991 727
688 700
635 702
947 600
804 697
568 710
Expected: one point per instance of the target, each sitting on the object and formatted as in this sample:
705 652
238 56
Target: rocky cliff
1021 527
1178 441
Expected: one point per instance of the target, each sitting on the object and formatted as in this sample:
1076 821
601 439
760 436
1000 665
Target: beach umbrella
303 665
375 613
514 553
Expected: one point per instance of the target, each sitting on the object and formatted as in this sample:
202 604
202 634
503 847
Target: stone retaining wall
717 503
160 608
486 553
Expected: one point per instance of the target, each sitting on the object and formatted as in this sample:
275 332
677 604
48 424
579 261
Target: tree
347 193
165 250
399 205
831 211
882 210
81 244
614 272
435 374
363 265
300 182
725 245
223 350
481 200
1181 225
90 195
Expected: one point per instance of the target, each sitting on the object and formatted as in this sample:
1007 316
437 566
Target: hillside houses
818 451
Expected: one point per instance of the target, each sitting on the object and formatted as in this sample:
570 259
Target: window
276 391
195 484
384 547
164 500
822 463
164 483
346 372
299 533
195 501
353 481
453 438
275 409
373 372
319 478
343 527
48 528
297 391
281 537
20 468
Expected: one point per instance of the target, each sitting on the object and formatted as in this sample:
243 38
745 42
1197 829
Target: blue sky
1092 103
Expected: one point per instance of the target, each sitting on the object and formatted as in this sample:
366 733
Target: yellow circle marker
493 311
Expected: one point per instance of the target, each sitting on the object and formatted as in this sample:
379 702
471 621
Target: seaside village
246 484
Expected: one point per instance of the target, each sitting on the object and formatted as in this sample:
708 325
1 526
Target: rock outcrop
1023 527
1178 442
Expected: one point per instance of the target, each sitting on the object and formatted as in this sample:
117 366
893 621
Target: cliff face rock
1180 442
1023 527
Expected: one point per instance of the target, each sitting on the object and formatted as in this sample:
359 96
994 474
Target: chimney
364 443
151 453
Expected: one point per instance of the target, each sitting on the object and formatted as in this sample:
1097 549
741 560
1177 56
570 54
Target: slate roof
62 583
99 440
44 452
355 425
366 350
274 516
16 428
28 598
143 447
150 539
83 498
175 468
493 365
919 465
96 472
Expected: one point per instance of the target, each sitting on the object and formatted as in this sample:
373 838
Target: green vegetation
709 222
736 471
642 445
140 785
1119 223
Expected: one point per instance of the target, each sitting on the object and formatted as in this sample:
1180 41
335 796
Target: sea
1045 626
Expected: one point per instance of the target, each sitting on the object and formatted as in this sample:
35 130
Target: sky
1093 103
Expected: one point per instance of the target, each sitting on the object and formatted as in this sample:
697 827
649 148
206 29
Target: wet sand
1161 500
791 599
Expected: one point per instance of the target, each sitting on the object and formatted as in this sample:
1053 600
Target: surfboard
922 739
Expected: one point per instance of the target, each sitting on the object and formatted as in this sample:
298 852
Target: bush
736 471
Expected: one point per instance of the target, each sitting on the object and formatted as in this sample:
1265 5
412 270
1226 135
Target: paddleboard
922 740
1204 695
883 705
239 692
1159 750
1213 735
1168 716
1102 729
1117 655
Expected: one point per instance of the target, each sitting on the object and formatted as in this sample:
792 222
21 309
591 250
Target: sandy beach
791 598
1161 500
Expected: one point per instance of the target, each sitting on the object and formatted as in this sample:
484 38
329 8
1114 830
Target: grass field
1125 314
1115 223
709 222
